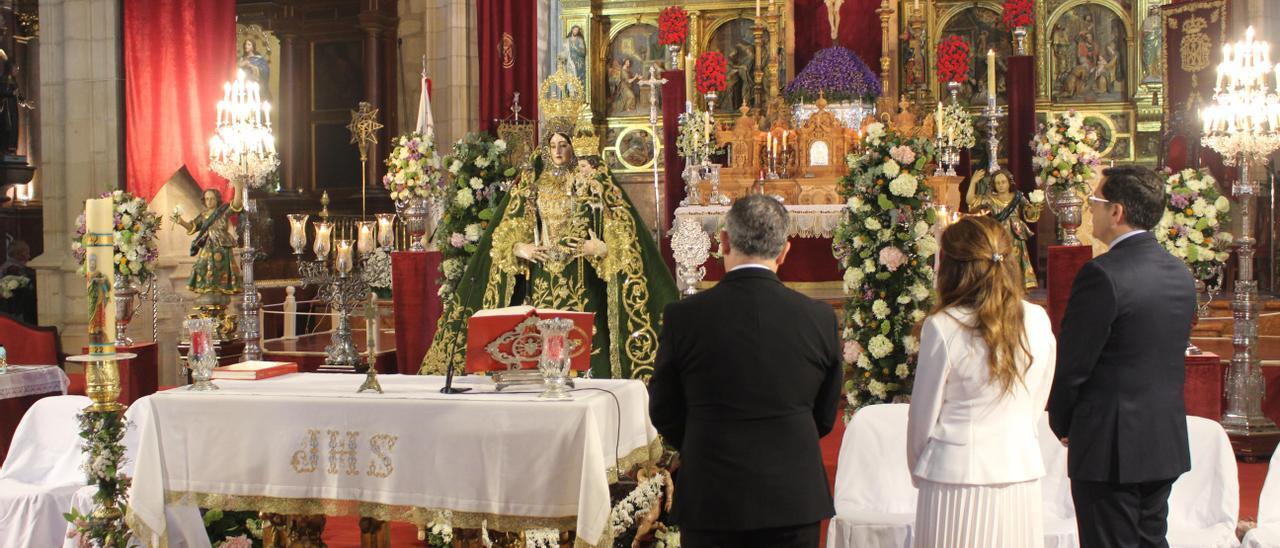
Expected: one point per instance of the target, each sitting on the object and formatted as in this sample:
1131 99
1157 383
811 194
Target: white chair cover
1267 533
41 473
874 498
186 528
1205 502
1060 530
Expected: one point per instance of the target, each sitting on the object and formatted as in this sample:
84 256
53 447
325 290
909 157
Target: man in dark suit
1117 394
747 380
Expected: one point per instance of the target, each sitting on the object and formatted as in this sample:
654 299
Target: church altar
503 459
697 227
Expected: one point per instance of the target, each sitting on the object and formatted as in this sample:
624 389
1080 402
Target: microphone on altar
448 382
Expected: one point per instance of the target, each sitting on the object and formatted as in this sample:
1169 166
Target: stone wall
442 30
81 116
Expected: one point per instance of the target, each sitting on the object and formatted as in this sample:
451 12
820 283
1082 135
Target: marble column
81 82
441 30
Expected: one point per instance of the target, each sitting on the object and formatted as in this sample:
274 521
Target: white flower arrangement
1192 227
694 139
957 124
883 242
413 168
440 530
639 501
134 235
542 538
12 283
1065 154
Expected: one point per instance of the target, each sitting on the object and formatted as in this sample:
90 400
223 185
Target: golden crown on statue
562 99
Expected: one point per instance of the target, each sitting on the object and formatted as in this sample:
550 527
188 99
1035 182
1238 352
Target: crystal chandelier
243 150
1244 118
1243 125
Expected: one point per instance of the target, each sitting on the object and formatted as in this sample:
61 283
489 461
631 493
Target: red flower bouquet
711 71
953 60
1017 13
673 26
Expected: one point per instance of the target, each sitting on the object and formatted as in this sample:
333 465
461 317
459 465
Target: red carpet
345 531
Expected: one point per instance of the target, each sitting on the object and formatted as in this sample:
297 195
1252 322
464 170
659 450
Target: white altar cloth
308 444
29 380
805 221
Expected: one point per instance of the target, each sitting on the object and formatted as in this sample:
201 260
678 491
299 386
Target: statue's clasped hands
591 247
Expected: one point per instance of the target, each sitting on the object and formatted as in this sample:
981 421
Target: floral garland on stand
1065 157
885 244
953 60
135 238
1017 13
413 169
479 172
1192 226
694 141
959 126
11 283
711 72
103 435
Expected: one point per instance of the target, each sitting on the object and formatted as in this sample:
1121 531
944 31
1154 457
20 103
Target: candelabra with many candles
243 150
1243 125
338 269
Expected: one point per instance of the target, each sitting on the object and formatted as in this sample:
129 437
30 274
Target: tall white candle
100 244
991 72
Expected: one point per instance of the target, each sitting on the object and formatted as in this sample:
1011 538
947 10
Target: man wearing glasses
1117 399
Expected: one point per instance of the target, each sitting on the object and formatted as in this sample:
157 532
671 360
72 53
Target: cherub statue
995 196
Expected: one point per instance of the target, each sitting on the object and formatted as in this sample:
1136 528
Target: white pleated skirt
978 516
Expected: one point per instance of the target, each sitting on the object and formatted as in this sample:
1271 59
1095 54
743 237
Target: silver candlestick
993 114
1238 125
243 151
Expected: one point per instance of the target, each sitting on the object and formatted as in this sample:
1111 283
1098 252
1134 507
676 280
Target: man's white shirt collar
1124 237
750 265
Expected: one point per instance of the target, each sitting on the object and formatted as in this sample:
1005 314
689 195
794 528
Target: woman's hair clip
997 257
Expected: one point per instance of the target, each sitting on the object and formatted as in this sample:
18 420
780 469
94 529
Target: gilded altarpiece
1098 57
618 42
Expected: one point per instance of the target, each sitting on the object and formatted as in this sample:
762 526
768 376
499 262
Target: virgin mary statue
566 237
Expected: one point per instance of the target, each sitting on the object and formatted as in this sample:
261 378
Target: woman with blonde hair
983 376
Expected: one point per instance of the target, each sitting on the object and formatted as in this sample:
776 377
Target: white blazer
961 428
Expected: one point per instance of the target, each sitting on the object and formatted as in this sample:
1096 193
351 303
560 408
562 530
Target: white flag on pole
426 124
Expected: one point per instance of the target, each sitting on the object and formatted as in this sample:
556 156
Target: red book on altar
500 339
253 370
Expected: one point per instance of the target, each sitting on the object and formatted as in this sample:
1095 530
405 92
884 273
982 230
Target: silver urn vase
414 212
1020 40
1068 207
126 296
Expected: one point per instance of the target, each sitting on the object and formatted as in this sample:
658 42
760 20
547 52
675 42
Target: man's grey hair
757 226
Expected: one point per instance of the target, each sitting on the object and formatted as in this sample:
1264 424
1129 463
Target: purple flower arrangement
838 72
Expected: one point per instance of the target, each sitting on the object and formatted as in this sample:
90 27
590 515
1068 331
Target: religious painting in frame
1089 56
735 40
337 74
258 56
573 50
631 52
631 148
980 27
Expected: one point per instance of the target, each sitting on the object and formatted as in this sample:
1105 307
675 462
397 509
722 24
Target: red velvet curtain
673 98
508 47
859 31
177 55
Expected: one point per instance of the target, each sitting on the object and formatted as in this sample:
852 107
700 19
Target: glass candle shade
364 237
323 243
298 232
344 260
386 229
